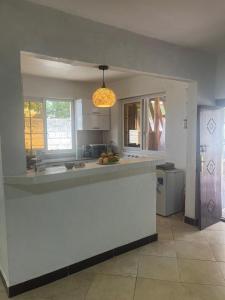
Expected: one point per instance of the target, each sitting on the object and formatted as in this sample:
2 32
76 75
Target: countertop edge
91 169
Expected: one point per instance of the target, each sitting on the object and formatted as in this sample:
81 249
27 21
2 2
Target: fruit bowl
108 159
109 163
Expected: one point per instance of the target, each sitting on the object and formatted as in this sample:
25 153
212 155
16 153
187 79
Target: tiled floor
184 264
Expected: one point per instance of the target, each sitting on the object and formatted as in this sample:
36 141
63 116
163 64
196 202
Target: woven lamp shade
104 97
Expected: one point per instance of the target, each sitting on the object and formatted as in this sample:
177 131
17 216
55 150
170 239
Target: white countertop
54 174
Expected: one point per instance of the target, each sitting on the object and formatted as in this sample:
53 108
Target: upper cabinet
89 117
87 107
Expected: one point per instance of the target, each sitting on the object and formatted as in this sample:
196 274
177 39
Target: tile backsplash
85 137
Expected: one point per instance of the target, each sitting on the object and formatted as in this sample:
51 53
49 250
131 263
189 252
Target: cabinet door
89 108
89 118
96 122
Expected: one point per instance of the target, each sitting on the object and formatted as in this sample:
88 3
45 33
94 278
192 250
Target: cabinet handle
95 127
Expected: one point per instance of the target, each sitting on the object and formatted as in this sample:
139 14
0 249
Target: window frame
144 101
126 101
44 100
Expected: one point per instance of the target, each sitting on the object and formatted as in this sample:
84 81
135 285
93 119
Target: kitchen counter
69 220
54 174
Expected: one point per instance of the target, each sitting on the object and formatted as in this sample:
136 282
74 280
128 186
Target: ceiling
38 65
192 23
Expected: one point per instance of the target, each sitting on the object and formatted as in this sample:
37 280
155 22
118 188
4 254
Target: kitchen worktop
53 174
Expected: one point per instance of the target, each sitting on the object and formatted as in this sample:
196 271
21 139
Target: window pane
37 125
33 125
156 122
132 124
37 141
34 141
27 125
27 141
59 125
26 109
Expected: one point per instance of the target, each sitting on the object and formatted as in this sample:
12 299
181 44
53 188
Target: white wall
63 35
3 228
180 142
176 102
54 225
36 86
220 77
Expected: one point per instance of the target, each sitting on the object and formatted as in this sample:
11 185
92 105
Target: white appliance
170 191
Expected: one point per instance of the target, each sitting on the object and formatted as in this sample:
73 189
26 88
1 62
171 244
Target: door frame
221 103
198 168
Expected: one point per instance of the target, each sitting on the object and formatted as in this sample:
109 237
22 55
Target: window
155 124
132 124
48 125
34 125
59 125
144 123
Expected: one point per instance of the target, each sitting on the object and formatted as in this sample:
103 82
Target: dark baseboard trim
61 273
136 244
190 221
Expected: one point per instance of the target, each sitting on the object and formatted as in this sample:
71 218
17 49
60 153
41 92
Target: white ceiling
193 23
37 65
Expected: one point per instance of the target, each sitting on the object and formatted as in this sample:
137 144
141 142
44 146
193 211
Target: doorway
210 164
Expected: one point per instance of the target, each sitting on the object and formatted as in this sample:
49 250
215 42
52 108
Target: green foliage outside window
58 109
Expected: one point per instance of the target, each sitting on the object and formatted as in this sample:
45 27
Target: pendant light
104 97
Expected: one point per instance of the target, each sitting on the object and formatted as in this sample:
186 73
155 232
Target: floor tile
149 289
163 268
218 251
220 226
177 224
69 288
124 265
215 236
222 268
163 221
110 287
3 296
205 292
164 233
177 216
32 296
159 248
197 271
187 235
194 250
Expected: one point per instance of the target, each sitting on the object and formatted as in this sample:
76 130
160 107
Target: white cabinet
89 108
89 117
96 122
